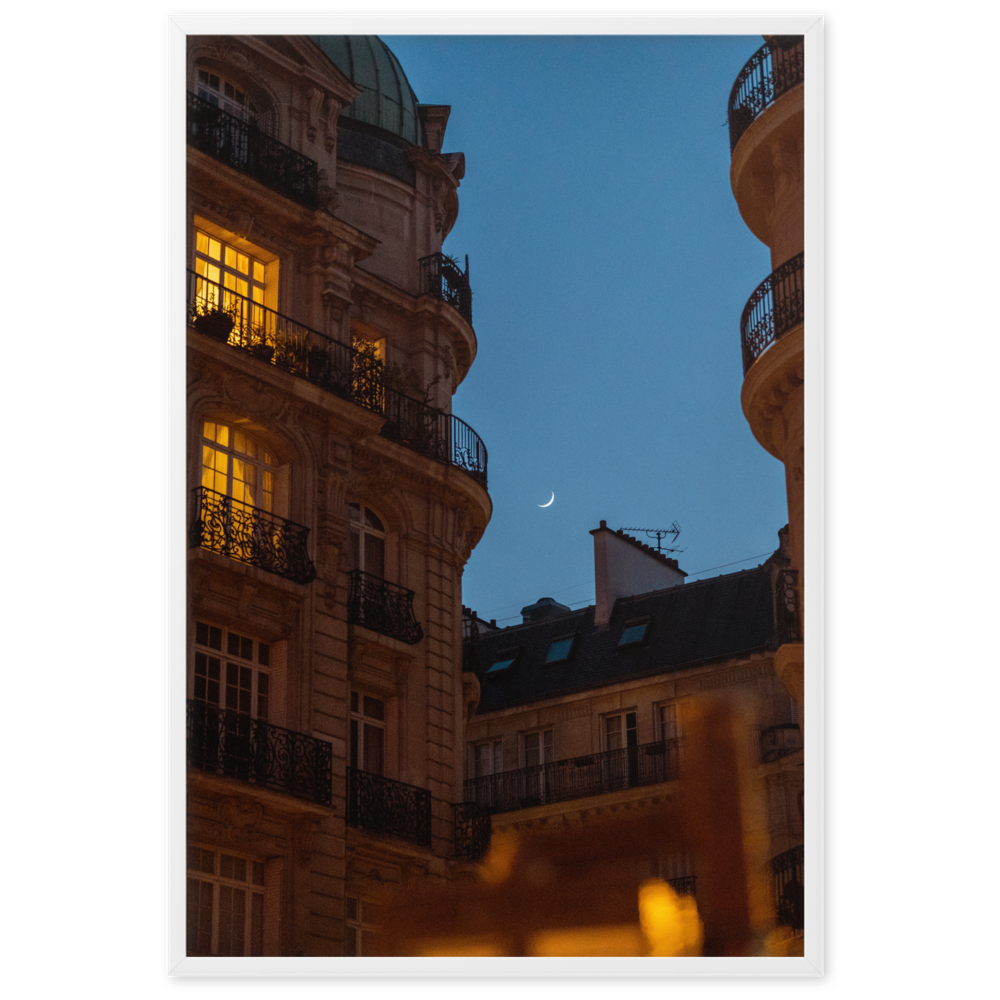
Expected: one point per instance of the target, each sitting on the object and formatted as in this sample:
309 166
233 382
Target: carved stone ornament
303 831
238 818
325 194
314 101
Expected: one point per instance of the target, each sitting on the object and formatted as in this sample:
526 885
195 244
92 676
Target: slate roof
690 624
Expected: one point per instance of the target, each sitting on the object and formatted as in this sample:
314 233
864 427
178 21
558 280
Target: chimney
544 607
624 566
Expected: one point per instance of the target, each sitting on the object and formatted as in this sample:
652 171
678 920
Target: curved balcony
275 339
240 145
381 805
576 778
250 535
776 67
441 277
383 607
776 306
234 745
434 433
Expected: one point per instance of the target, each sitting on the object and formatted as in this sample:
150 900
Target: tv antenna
659 534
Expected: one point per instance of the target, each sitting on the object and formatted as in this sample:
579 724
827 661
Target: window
367 540
666 722
487 758
360 921
225 903
236 465
230 279
620 731
504 661
367 733
633 633
223 93
559 649
231 671
538 748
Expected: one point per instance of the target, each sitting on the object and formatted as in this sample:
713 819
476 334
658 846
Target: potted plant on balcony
290 355
214 321
260 347
318 361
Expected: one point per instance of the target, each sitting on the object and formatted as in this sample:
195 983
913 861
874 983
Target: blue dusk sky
609 267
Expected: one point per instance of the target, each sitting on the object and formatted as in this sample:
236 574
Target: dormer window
504 661
634 633
560 648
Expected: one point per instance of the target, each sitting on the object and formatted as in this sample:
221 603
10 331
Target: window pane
374 708
613 729
559 650
215 638
263 654
201 633
258 271
373 749
634 633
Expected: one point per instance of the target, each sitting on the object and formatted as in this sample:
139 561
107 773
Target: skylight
559 649
633 634
504 661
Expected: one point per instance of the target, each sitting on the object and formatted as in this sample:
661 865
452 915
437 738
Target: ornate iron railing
434 433
473 829
592 774
776 305
786 606
685 885
779 741
441 277
382 805
250 535
275 339
245 148
788 884
383 607
232 744
776 67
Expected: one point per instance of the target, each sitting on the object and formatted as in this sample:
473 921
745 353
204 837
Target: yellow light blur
459 948
499 861
619 940
670 921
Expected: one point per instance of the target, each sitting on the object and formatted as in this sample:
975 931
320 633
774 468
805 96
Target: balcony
593 774
435 434
779 741
236 746
240 145
381 805
776 67
776 306
786 607
250 535
275 339
383 607
441 277
473 829
787 883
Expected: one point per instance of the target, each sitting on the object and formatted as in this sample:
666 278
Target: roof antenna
659 534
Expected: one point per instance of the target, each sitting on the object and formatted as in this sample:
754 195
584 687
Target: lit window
367 540
225 904
231 280
367 733
237 466
633 633
504 661
559 649
360 922
231 671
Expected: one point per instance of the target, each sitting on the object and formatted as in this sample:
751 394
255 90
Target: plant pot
263 351
217 325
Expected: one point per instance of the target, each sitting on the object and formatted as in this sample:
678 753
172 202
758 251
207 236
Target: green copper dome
387 100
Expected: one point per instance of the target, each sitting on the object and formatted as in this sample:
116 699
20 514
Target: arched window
234 464
232 97
367 540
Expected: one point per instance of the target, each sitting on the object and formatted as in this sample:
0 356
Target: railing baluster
776 67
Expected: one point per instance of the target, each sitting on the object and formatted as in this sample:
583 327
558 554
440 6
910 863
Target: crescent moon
549 504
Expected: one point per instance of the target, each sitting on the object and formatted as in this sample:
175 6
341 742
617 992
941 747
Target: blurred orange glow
670 922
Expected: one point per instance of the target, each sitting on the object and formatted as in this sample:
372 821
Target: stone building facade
334 497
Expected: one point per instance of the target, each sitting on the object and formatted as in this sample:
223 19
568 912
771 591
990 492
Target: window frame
360 924
495 747
360 722
360 532
261 670
658 722
624 730
568 636
252 889
502 657
268 465
631 624
546 749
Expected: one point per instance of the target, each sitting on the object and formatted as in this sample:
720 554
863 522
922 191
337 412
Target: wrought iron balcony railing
775 307
592 774
776 67
275 339
245 148
786 606
473 829
433 433
441 277
788 884
779 741
251 535
383 607
685 885
381 805
229 743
